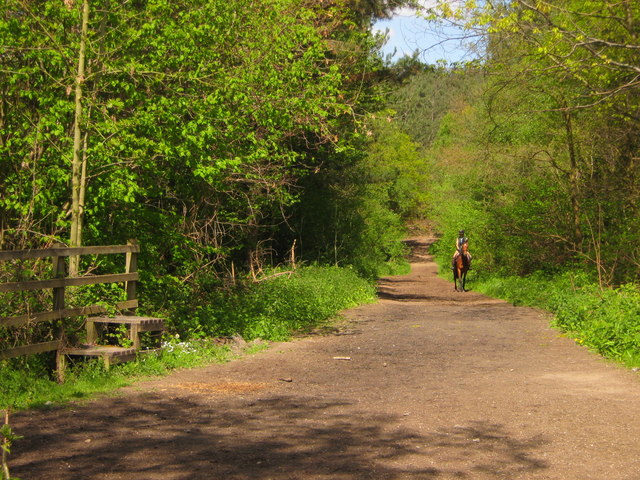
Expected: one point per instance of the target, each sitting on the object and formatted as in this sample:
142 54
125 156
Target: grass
274 308
33 388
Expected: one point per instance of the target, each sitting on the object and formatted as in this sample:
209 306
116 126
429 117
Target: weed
7 437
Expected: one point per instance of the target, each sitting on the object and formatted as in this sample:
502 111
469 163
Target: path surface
439 385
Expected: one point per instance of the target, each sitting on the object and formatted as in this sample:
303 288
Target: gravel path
425 384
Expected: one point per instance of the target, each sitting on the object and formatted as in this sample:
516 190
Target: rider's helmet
461 233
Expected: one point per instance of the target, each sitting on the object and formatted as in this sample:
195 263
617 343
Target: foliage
273 308
195 126
202 123
393 163
349 225
424 98
352 212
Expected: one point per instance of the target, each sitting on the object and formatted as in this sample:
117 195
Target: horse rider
460 241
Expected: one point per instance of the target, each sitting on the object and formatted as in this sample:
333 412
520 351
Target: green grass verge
33 388
277 306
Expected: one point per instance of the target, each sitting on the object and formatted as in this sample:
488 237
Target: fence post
131 288
131 267
59 271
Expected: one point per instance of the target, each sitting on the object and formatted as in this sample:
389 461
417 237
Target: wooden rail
62 251
22 320
58 285
67 282
29 349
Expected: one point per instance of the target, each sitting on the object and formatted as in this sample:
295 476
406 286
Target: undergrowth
275 307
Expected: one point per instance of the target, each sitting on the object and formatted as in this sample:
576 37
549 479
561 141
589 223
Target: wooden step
145 323
110 354
135 323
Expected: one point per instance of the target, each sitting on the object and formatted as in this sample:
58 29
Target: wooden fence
59 255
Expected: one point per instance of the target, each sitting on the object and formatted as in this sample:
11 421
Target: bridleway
427 383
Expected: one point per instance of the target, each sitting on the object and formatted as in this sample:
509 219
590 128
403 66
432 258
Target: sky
408 32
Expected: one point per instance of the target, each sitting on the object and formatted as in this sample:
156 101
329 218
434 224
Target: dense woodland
236 138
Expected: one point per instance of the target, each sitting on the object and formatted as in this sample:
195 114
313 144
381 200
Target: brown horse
460 268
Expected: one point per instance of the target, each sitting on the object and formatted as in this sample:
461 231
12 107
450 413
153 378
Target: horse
460 268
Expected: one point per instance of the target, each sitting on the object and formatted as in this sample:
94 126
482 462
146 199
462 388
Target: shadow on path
274 437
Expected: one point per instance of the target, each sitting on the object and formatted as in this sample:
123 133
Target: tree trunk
78 175
574 176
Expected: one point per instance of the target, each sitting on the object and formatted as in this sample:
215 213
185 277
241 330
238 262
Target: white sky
408 32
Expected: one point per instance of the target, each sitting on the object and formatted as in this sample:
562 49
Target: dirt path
439 385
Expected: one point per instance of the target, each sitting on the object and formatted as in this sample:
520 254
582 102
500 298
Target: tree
174 117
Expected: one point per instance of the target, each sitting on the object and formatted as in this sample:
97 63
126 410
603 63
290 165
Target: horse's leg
455 279
464 281
458 279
